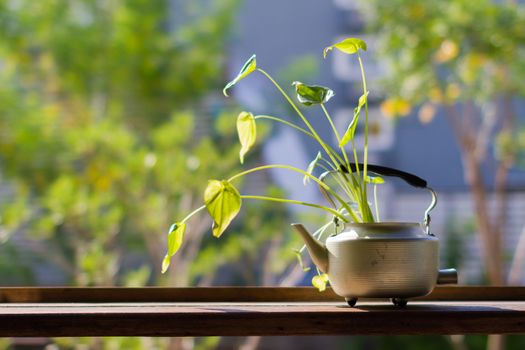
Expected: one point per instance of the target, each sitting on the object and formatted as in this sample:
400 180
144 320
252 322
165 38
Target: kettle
396 260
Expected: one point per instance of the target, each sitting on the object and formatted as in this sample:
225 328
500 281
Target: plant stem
331 123
292 201
192 213
329 164
334 129
344 179
365 152
375 202
329 151
315 179
367 215
285 122
341 181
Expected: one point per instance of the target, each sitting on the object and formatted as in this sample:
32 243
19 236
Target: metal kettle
397 260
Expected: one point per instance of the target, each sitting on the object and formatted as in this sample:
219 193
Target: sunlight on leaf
175 238
350 131
312 94
223 202
349 46
320 281
376 180
248 68
311 168
165 263
247 131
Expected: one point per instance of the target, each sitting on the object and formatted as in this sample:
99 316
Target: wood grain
237 319
60 312
229 294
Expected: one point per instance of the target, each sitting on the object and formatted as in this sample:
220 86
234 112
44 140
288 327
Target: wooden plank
65 311
158 294
229 294
239 319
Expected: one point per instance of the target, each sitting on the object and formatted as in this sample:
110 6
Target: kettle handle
409 178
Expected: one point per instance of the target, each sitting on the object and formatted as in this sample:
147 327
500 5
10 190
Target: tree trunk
490 235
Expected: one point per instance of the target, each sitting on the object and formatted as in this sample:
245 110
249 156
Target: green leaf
350 131
223 202
362 100
312 94
300 260
320 281
248 67
175 238
165 263
247 131
349 46
376 180
311 168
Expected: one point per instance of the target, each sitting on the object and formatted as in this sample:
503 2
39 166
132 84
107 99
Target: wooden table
61 312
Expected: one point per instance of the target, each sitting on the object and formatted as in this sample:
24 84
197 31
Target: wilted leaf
350 131
175 238
320 281
311 168
223 202
349 46
312 94
247 131
248 67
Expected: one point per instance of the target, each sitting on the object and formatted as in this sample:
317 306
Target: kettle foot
399 302
351 301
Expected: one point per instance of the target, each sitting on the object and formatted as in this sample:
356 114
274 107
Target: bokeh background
112 120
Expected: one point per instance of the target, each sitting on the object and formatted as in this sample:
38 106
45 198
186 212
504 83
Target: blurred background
112 120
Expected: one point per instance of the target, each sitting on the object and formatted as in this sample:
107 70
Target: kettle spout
317 250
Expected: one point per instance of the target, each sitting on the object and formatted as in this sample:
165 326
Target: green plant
223 200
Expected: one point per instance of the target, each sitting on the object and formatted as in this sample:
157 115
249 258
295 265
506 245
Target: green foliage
97 142
312 94
444 52
175 238
412 342
15 269
349 46
311 167
249 67
223 201
350 131
247 131
320 281
116 58
263 242
376 180
510 145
